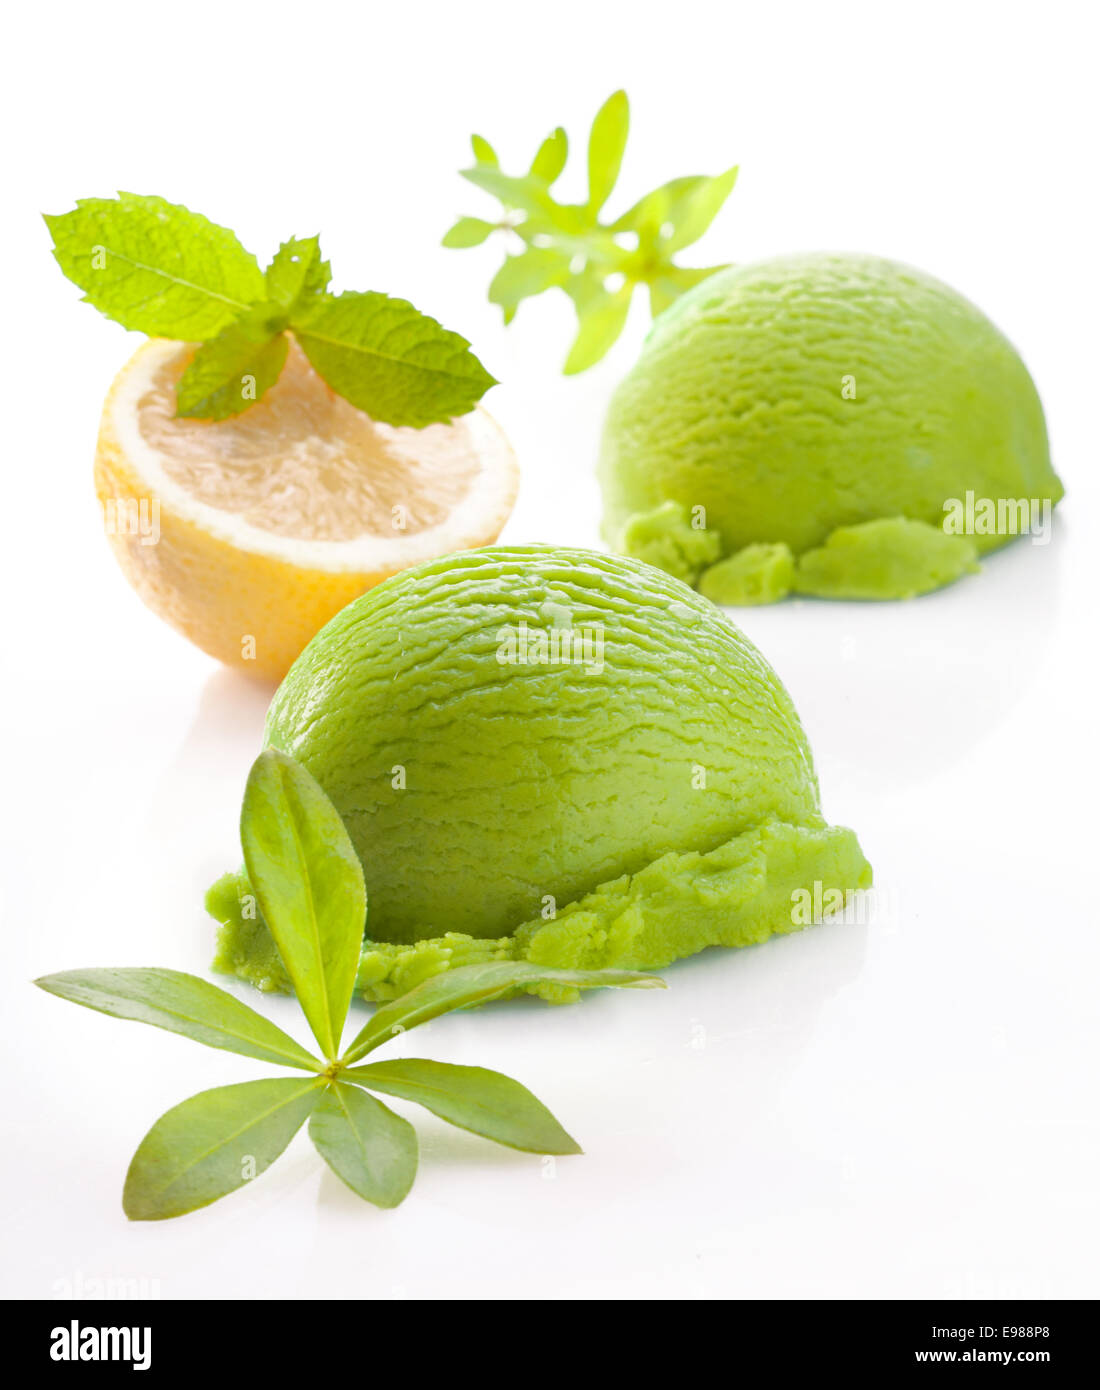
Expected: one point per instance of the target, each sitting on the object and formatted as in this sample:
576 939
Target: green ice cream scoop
778 402
553 755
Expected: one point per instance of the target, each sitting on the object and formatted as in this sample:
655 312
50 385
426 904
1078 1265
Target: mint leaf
481 1101
606 144
235 368
295 271
365 1144
154 266
468 231
214 1143
476 984
699 209
389 359
550 159
309 884
180 1003
601 321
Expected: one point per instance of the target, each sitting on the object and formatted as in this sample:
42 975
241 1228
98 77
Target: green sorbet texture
666 538
549 755
783 400
755 574
894 558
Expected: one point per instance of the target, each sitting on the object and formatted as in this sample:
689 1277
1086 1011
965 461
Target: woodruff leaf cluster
309 883
597 262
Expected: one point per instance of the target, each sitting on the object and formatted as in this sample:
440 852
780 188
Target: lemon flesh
268 523
305 463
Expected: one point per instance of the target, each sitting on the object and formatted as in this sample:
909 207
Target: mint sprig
599 263
310 886
154 266
297 271
389 359
158 268
235 368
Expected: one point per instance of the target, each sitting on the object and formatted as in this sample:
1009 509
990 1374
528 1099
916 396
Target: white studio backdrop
902 1107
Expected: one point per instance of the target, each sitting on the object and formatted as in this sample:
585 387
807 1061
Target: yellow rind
248 609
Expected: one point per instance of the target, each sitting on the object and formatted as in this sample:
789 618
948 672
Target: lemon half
249 534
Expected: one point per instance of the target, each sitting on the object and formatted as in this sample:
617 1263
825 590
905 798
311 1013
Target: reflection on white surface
902 1109
901 691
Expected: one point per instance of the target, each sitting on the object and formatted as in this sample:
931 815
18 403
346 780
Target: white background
906 1108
